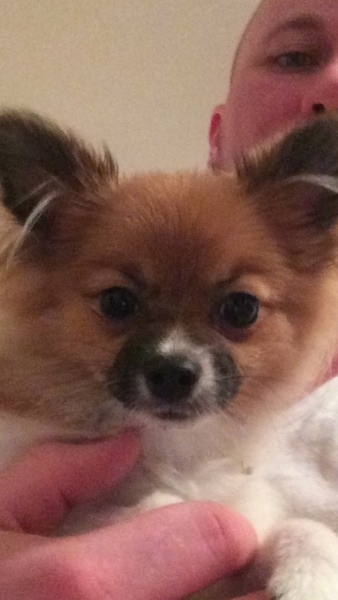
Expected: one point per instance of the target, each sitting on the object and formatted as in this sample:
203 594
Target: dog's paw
300 584
303 557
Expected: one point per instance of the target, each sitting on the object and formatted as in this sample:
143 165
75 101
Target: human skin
285 71
199 542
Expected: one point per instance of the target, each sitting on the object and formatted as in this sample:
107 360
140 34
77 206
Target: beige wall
141 75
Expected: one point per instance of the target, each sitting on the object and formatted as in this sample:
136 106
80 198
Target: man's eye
118 303
295 61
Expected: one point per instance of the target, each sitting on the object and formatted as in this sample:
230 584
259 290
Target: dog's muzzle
174 379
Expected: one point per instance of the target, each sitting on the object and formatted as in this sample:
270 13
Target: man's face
286 70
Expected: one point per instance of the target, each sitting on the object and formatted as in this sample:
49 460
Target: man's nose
322 95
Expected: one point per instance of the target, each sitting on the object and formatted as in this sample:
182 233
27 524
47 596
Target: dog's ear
39 164
295 185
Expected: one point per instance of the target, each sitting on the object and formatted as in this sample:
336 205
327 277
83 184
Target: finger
169 553
38 490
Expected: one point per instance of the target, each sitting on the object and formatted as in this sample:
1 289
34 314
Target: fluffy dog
196 306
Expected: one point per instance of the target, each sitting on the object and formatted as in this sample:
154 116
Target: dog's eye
239 309
118 303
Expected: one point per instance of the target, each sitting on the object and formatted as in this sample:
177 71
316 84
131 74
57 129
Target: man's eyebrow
301 23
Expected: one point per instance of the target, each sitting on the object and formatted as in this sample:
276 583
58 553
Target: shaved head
264 7
242 40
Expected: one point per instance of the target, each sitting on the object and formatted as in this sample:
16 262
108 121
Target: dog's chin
177 416
171 414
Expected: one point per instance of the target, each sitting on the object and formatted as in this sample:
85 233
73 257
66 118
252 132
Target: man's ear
40 163
294 182
215 158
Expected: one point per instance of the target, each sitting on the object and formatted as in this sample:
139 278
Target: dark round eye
239 309
118 303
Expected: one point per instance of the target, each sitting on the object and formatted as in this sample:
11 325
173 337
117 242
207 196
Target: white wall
141 75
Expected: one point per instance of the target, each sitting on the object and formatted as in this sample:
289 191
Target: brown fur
180 242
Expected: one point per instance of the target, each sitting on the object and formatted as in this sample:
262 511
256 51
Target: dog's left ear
295 185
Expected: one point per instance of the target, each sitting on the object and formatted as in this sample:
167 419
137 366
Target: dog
200 308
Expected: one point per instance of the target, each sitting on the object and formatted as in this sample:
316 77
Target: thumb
40 488
168 553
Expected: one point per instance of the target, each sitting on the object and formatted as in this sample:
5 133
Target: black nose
171 378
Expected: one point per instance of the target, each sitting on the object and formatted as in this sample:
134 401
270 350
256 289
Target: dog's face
162 296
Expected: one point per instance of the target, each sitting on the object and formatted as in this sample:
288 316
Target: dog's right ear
40 163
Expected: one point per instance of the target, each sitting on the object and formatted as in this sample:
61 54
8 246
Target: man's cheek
260 108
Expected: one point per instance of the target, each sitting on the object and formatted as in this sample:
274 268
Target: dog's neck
212 438
184 447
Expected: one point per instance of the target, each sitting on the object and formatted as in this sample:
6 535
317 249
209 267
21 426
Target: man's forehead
274 13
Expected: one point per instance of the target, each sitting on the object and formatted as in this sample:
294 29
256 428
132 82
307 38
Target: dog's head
169 296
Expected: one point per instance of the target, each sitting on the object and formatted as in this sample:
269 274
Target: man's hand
165 554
